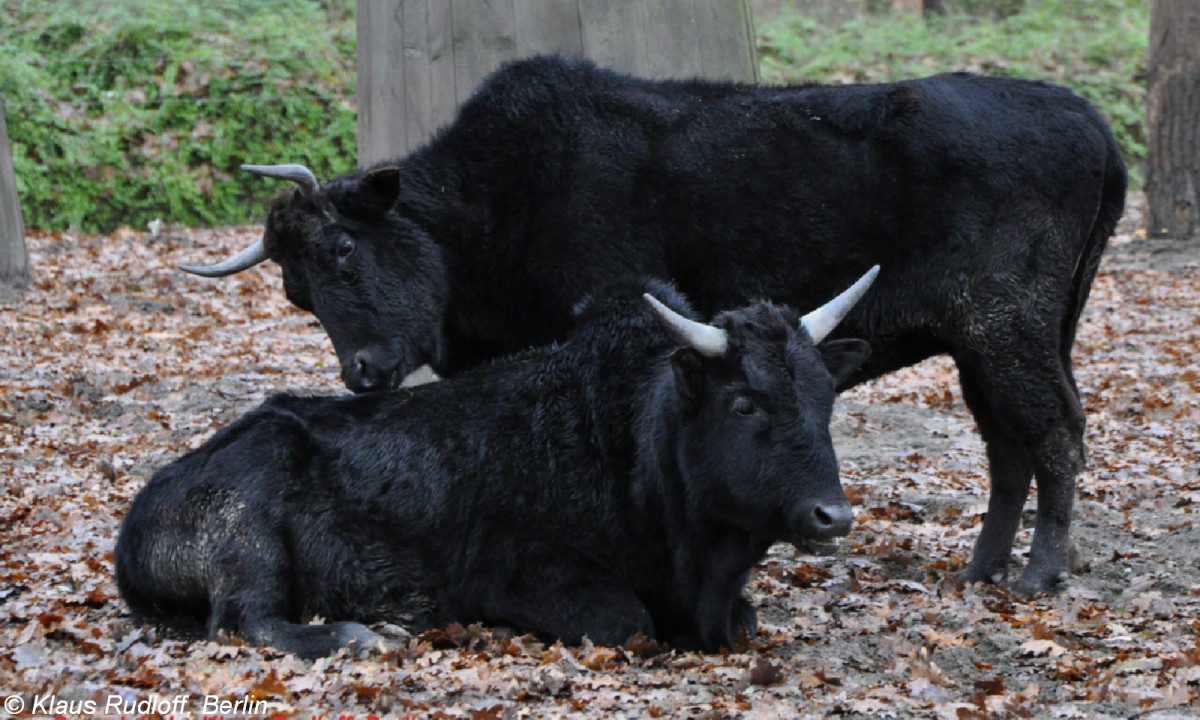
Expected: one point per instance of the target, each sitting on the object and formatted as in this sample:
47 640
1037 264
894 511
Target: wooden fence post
14 259
419 59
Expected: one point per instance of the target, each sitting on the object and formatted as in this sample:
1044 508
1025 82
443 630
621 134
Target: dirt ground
115 362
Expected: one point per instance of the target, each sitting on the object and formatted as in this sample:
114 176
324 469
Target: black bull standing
987 200
625 481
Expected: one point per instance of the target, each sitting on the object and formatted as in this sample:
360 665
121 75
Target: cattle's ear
380 185
688 367
843 357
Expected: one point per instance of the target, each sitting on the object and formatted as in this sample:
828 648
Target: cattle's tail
1112 205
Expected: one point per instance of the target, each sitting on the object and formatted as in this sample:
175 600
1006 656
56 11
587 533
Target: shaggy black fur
610 485
987 201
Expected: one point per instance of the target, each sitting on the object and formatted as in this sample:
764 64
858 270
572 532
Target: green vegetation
122 111
1098 48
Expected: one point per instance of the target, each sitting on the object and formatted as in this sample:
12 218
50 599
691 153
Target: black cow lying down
625 481
989 201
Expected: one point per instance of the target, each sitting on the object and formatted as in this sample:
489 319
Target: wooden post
418 60
14 259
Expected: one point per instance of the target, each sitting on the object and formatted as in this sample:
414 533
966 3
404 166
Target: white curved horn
244 260
820 322
705 339
298 174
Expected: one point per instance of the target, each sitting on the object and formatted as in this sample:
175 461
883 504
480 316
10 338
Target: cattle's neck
439 193
708 558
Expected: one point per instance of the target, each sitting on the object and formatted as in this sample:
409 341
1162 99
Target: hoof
987 576
394 632
360 640
1034 582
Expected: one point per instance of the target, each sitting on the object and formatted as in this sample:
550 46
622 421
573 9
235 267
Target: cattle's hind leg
1032 422
1058 459
313 641
1011 473
251 594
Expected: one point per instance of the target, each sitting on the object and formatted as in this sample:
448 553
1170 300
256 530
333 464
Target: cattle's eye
345 246
744 406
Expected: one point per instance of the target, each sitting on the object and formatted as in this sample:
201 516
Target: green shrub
1097 48
121 112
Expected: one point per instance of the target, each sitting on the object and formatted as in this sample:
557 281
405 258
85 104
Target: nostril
369 369
359 374
827 519
364 371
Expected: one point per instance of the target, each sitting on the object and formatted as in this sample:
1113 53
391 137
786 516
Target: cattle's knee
1060 454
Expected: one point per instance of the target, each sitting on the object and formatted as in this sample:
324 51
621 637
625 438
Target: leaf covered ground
115 362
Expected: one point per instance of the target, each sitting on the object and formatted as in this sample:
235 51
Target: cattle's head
374 279
755 395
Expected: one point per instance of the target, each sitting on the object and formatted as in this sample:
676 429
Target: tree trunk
1173 120
419 59
14 261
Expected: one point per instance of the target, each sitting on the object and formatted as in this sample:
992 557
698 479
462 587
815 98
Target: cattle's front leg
603 610
718 621
745 617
